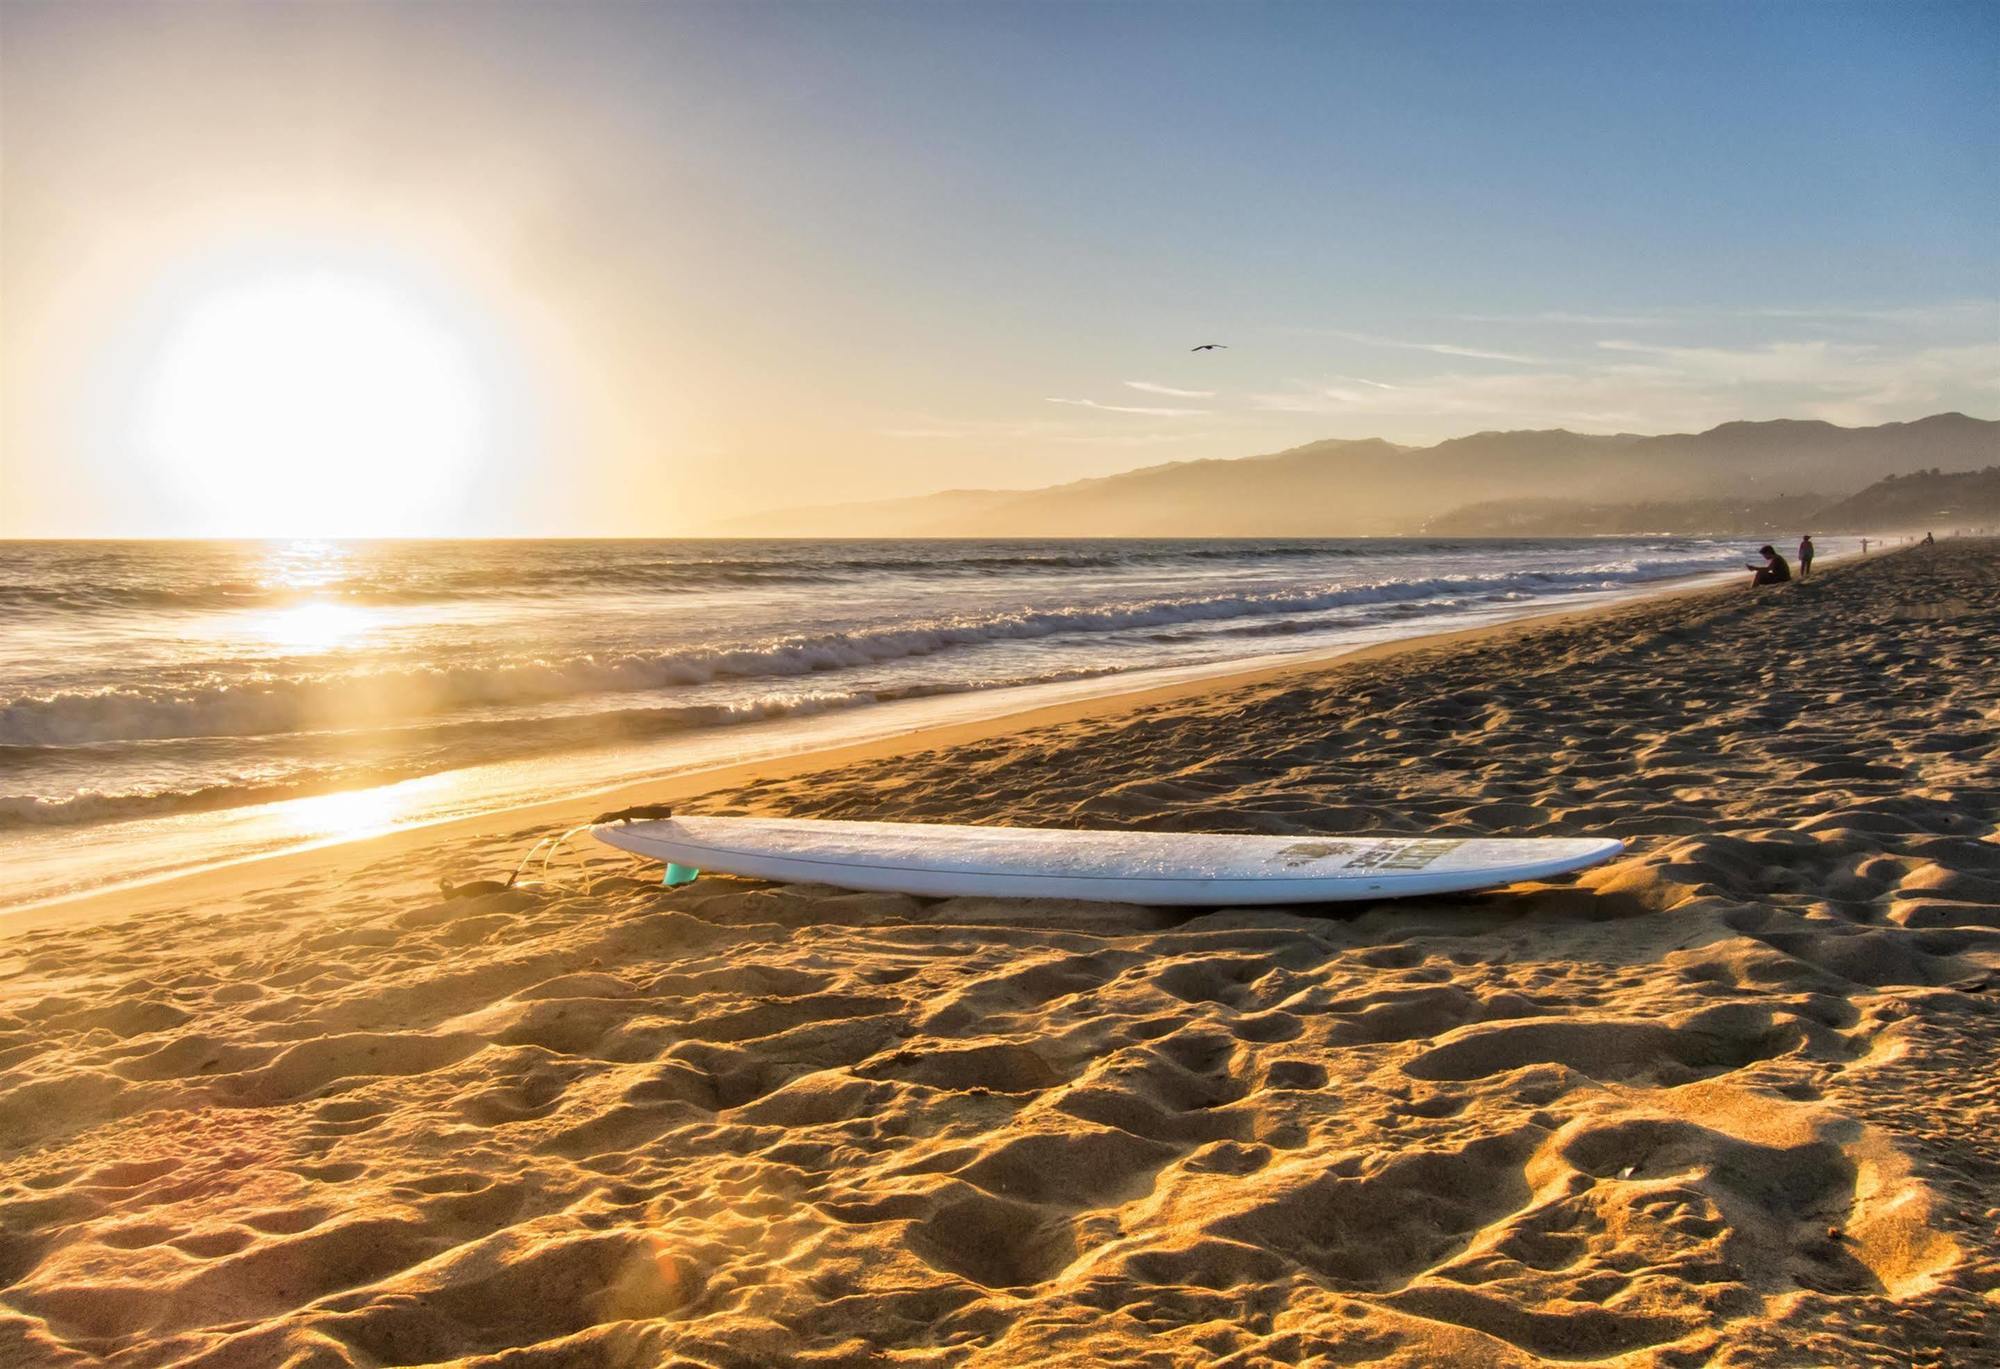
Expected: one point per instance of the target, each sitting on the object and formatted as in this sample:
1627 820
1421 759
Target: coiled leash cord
547 847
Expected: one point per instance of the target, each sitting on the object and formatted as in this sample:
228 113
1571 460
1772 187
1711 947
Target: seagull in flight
1210 347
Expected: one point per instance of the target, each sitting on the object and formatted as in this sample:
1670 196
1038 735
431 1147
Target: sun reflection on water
316 625
307 565
360 812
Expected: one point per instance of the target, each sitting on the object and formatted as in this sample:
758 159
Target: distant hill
1898 503
1578 518
1371 487
1940 501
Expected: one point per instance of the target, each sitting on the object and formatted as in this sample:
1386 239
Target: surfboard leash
644 812
548 847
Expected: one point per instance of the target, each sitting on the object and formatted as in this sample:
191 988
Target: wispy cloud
1178 438
1127 408
1053 432
1448 349
1649 387
1979 311
1152 389
1562 316
1808 363
1944 314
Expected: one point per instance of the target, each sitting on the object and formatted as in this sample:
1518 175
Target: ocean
165 705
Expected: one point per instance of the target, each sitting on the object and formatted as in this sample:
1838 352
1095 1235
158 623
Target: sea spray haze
145 680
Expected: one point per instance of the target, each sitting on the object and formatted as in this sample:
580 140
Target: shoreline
233 876
236 876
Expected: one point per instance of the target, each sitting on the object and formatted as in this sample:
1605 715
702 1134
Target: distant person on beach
1929 540
1864 546
1805 556
1774 571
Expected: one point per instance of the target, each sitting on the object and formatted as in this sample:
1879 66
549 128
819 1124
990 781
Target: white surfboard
1161 868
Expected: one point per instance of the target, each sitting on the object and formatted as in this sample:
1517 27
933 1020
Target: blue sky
756 254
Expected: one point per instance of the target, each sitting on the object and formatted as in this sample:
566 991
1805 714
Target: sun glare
316 625
352 813
313 402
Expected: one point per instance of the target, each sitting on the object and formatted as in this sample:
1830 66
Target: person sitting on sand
1929 540
1775 570
1805 557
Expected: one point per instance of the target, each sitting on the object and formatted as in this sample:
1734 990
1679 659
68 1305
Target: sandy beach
1730 1100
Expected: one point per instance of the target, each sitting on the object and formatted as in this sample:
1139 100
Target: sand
1730 1100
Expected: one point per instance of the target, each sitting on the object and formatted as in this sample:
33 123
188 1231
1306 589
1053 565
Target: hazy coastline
1734 478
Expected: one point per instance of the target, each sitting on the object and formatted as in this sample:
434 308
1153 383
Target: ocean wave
537 572
228 596
343 701
429 748
23 811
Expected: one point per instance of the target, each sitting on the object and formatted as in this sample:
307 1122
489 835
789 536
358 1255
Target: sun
314 401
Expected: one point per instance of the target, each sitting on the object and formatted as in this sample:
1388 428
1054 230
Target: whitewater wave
83 591
430 748
228 596
19 811
343 701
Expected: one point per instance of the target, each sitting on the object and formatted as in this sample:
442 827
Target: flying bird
1210 347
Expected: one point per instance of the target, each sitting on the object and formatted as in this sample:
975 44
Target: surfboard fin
677 875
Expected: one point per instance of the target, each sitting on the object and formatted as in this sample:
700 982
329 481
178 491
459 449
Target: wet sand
1730 1100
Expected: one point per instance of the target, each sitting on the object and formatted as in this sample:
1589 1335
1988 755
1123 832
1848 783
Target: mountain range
1370 487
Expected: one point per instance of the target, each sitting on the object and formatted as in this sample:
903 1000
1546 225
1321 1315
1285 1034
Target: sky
579 269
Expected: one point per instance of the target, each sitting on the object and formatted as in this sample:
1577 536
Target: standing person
1864 546
1805 556
1774 571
